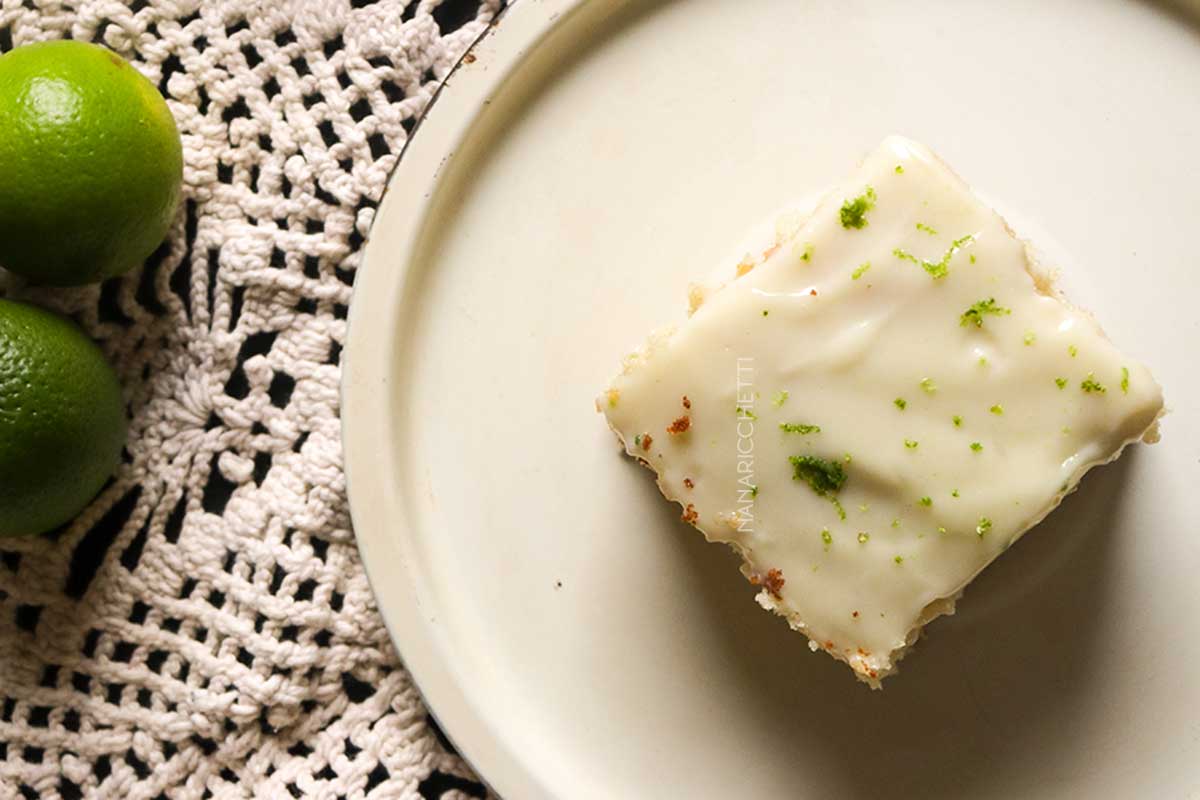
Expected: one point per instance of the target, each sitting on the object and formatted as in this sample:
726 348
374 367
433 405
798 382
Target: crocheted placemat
205 628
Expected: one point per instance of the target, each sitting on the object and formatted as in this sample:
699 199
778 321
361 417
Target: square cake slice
879 406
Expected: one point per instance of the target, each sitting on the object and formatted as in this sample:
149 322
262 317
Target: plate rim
377 294
373 341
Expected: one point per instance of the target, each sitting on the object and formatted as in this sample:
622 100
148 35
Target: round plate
587 161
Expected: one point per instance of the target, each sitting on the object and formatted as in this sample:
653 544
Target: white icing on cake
881 337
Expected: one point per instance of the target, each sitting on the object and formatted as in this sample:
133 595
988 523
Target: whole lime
91 162
62 422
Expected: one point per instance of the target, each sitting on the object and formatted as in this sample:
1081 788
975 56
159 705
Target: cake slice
878 406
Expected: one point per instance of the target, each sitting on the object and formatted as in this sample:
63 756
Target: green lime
62 422
91 162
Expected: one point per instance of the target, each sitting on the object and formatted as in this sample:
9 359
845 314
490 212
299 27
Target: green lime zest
975 314
854 212
822 476
938 269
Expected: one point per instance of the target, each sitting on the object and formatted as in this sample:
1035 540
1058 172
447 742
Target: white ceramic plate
575 639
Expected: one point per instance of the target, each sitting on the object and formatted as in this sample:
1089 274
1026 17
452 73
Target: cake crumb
689 514
774 582
689 483
686 403
647 439
680 425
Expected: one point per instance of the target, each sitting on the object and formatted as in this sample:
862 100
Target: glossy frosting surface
878 405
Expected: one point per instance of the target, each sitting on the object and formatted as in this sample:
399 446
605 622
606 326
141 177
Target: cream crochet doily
205 628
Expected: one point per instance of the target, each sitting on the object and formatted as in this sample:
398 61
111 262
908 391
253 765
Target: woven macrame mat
205 627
